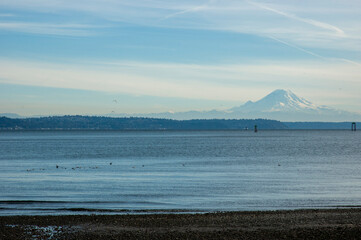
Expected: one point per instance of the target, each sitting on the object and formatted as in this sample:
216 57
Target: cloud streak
6 15
48 29
110 80
195 9
208 82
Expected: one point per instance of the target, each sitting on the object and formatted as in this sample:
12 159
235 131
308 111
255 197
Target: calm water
62 172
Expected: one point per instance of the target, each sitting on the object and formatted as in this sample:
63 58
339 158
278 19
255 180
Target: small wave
28 202
61 211
76 202
130 210
346 206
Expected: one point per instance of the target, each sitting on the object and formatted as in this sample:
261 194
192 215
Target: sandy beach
298 224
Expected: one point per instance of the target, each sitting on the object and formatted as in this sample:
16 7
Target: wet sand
298 224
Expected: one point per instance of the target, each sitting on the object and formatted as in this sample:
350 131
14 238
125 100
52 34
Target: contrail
314 54
194 9
298 48
349 61
312 22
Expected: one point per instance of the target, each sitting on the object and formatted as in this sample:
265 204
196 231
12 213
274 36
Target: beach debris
57 166
48 232
110 163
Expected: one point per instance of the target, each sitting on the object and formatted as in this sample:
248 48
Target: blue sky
98 57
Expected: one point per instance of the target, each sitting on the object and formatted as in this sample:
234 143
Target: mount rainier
282 105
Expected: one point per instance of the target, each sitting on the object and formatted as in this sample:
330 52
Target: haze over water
61 172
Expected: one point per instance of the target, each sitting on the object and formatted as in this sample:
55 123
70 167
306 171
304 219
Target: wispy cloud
192 9
124 80
7 15
195 9
48 29
238 82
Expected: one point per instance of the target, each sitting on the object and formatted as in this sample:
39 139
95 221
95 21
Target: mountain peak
281 91
278 100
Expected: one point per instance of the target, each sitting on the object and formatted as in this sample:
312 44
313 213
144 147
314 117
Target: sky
122 56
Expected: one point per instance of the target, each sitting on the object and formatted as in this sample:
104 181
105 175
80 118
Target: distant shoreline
282 224
156 130
149 124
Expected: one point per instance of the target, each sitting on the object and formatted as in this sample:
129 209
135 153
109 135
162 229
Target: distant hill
108 123
10 115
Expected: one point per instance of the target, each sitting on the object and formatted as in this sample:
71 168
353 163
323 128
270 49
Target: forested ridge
133 123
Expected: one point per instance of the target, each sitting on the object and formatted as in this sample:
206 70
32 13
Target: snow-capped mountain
279 101
281 105
284 105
